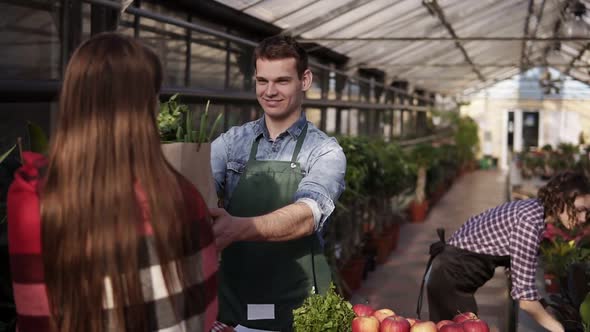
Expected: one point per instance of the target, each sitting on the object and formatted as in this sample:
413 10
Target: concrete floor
396 283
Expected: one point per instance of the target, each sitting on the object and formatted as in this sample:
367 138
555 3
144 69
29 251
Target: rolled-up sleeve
219 157
524 245
324 179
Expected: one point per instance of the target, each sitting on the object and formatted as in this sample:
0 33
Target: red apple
412 321
453 327
362 310
426 326
394 324
381 314
365 324
443 323
464 316
475 325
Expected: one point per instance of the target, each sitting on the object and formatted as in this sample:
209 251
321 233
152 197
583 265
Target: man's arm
290 222
540 315
219 157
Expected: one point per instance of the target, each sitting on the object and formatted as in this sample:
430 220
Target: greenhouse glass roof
447 46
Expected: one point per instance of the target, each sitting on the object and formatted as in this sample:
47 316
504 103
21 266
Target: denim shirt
321 159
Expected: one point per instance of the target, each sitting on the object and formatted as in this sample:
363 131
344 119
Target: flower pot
419 211
551 283
383 244
352 272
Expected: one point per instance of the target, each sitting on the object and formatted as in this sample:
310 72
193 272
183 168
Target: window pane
30 41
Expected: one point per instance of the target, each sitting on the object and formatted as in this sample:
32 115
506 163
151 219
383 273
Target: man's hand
226 228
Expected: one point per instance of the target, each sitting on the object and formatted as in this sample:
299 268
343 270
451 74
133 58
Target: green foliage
396 171
558 255
357 165
466 138
37 138
323 313
170 119
585 312
374 168
7 153
176 123
423 155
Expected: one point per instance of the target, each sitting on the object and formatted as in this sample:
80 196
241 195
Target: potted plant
467 141
187 149
422 157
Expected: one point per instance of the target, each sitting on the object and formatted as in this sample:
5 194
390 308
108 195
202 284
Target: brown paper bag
193 161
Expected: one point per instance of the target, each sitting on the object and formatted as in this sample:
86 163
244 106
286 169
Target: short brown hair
561 192
282 47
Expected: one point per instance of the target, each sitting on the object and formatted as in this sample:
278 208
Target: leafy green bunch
176 123
323 313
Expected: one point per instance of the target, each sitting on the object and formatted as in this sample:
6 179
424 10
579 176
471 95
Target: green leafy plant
323 313
466 138
176 123
585 313
558 254
7 153
37 139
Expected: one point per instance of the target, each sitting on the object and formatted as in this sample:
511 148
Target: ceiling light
575 26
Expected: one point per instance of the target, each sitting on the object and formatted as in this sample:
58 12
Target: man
280 177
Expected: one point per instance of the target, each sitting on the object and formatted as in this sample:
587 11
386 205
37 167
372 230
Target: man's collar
295 129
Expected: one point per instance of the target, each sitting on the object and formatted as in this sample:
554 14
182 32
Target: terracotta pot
418 212
352 272
383 244
551 283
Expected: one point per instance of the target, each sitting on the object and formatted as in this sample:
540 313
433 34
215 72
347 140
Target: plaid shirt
26 263
512 229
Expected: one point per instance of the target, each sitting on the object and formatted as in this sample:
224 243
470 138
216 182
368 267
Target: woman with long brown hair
104 234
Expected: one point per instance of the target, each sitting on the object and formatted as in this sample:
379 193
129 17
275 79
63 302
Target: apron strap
300 140
254 149
435 249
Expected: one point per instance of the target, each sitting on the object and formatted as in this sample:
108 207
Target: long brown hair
561 191
105 146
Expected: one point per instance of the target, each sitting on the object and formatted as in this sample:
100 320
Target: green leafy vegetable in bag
324 313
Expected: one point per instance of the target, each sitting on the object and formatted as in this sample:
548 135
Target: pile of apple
385 320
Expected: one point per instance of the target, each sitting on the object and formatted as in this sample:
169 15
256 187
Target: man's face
581 208
278 88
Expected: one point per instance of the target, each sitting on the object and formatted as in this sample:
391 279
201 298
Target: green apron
282 274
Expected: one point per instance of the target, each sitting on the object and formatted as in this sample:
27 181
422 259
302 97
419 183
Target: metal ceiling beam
251 5
406 18
526 34
576 58
444 38
528 48
335 13
433 5
479 65
556 26
572 75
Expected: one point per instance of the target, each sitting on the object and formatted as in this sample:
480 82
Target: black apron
455 275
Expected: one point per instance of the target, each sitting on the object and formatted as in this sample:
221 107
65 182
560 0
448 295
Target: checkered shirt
512 229
195 303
